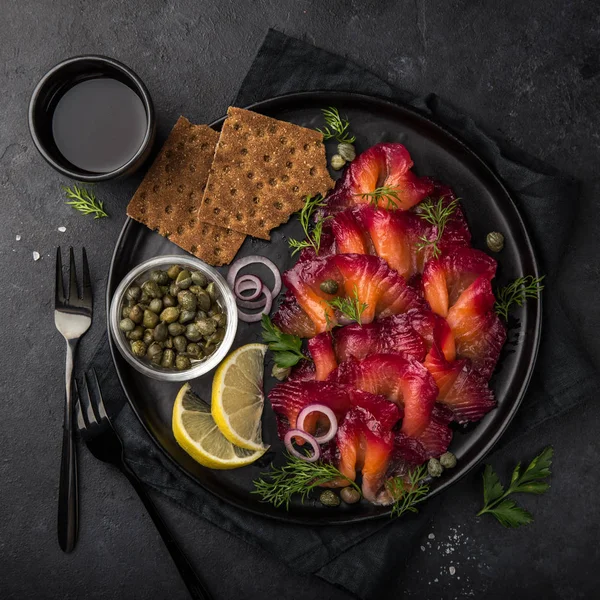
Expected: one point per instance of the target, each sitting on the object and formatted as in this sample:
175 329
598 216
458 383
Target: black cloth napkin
364 559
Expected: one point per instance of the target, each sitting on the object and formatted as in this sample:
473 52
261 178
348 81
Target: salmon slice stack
323 354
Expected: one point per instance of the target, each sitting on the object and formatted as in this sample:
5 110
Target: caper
434 468
151 288
184 279
131 303
200 314
211 313
125 312
173 271
133 293
220 319
154 352
216 337
156 305
137 333
168 359
195 289
350 495
187 300
199 278
182 363
144 298
174 289
329 286
281 373
186 316
176 328
192 333
168 343
193 351
148 336
150 319
170 314
211 290
337 162
179 343
204 301
329 498
138 348
169 301
209 349
160 277
448 460
126 325
164 289
495 241
347 151
136 314
161 332
206 326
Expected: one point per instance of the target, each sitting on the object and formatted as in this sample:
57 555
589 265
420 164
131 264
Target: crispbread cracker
169 198
262 171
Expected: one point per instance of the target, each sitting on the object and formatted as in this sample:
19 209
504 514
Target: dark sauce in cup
99 124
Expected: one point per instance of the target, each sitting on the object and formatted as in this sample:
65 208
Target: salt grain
36 256
423 548
431 536
62 229
452 570
18 238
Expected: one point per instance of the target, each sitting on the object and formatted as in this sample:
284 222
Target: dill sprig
313 238
529 481
336 126
386 193
436 214
350 307
84 201
297 476
515 294
286 348
408 493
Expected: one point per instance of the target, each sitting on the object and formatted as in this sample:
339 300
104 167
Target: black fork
105 444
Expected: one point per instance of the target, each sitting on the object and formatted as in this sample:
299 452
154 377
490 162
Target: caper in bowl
159 318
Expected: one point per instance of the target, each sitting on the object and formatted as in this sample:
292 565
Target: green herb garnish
337 127
297 476
408 493
352 307
286 348
436 214
516 293
495 500
313 238
385 193
84 201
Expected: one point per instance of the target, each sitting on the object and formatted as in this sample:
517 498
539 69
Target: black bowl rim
141 89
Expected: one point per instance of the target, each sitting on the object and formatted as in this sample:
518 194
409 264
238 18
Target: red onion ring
325 410
246 283
252 304
254 317
248 260
291 434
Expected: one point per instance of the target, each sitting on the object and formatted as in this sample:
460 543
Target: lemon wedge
237 397
197 433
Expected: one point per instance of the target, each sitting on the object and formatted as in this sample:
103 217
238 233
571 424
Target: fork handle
68 511
196 588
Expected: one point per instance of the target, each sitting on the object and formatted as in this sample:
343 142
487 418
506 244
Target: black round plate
488 206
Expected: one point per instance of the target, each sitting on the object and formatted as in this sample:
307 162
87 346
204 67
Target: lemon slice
197 433
237 396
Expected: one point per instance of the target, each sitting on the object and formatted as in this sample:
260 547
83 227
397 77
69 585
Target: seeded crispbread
262 171
169 198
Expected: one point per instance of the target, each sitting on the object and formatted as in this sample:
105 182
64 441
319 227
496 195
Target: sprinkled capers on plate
495 241
337 162
346 151
448 460
434 468
350 495
329 498
281 373
329 286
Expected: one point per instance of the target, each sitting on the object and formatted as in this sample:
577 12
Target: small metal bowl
140 274
55 83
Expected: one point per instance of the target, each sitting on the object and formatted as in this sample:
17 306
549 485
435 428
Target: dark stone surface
526 71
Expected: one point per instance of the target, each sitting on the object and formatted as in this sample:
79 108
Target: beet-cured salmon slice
461 389
365 445
382 165
433 330
403 381
478 331
350 236
290 318
392 335
323 355
446 278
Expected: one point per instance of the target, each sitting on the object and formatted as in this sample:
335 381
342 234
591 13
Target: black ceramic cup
52 87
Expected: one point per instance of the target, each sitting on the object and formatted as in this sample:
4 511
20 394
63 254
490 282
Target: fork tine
89 409
59 288
87 284
73 292
78 411
100 407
